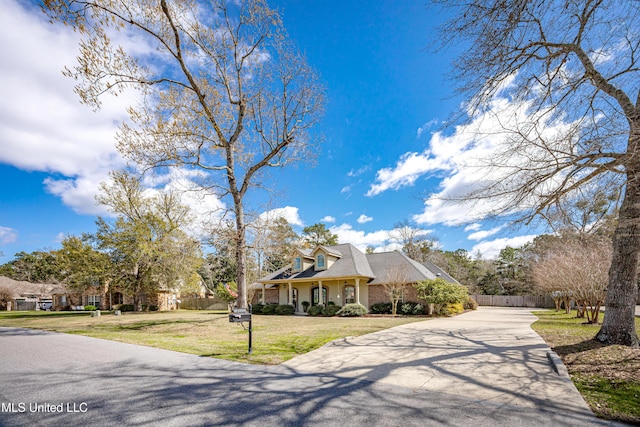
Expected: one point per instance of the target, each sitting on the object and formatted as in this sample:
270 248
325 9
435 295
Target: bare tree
572 69
576 269
416 242
225 94
394 282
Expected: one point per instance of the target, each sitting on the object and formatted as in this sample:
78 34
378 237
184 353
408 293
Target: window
117 298
93 300
297 264
320 262
349 294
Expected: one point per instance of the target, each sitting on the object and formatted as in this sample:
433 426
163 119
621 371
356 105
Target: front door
315 295
294 302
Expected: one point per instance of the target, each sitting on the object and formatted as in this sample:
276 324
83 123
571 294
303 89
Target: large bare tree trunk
618 326
241 255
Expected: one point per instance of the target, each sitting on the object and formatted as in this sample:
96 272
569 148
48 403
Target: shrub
126 307
353 310
454 308
6 295
316 310
381 308
471 304
269 309
442 294
418 309
331 310
305 305
90 308
285 310
153 307
257 308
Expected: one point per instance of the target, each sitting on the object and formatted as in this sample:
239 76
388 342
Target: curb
557 364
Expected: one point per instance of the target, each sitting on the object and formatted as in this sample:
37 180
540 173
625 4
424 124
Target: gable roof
354 263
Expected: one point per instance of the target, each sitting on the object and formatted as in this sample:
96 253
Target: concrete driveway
491 355
483 368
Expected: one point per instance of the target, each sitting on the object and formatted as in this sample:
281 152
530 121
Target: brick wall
270 296
377 294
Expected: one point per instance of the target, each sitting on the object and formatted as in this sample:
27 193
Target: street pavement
482 368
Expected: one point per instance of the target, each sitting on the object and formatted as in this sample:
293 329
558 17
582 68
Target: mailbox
239 317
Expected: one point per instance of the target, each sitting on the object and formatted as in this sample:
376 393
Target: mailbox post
240 315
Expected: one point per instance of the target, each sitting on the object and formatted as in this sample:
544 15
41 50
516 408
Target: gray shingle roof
386 262
354 263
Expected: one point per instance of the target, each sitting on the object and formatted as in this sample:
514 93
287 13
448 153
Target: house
106 298
342 274
29 296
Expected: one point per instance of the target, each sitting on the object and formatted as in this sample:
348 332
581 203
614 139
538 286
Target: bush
418 309
126 307
353 310
90 308
6 295
454 308
315 310
381 308
331 310
471 304
409 308
153 307
442 294
269 309
285 310
257 308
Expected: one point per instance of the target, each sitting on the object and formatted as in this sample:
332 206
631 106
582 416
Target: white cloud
408 169
354 172
328 218
7 235
491 249
359 238
362 219
346 189
483 234
473 227
43 127
426 127
472 158
289 213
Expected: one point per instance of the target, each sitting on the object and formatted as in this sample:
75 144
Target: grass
608 377
208 333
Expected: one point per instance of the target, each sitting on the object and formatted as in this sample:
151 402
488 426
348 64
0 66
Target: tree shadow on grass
581 347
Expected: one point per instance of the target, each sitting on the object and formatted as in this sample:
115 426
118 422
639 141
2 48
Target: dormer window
297 264
320 262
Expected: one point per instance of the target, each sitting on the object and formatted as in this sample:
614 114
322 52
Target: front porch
339 292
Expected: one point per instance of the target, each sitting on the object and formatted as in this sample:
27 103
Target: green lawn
608 377
208 333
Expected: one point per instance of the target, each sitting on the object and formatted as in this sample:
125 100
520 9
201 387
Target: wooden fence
203 304
514 301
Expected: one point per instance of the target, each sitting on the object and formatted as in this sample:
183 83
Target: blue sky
383 156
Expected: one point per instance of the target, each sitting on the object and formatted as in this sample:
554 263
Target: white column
263 293
290 300
358 291
320 298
